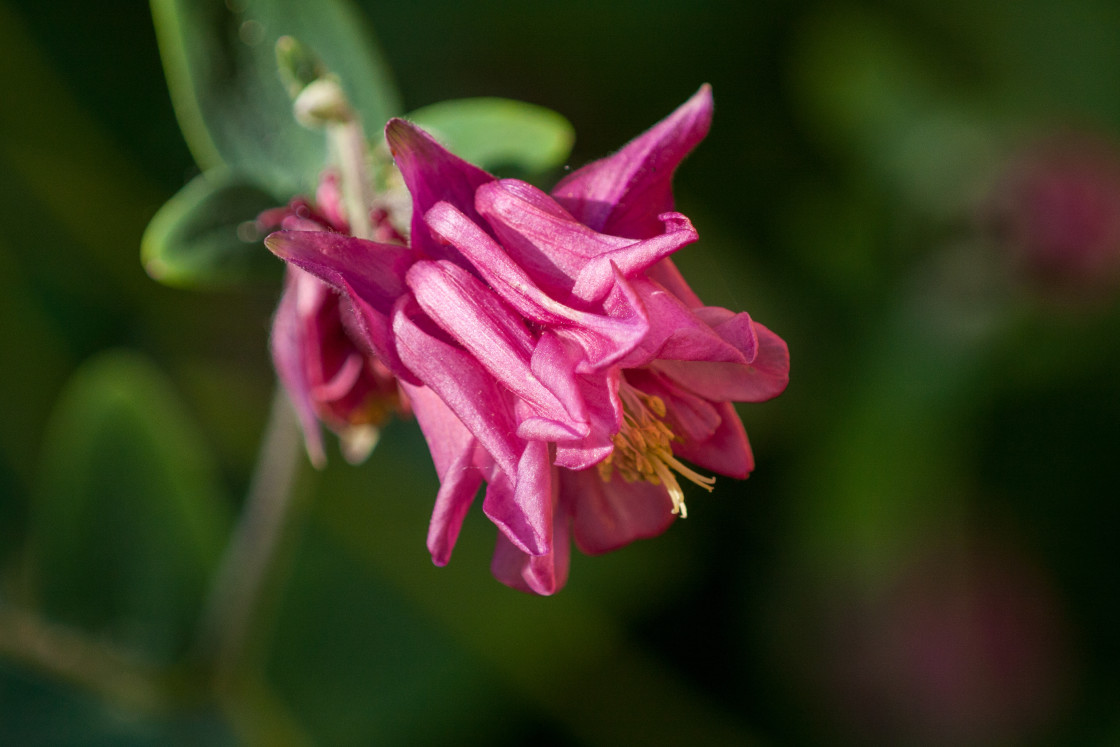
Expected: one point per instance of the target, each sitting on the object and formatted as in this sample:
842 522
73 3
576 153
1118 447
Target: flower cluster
548 345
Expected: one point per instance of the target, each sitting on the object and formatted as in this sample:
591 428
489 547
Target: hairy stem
348 141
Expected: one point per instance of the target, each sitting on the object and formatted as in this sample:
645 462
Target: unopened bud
322 102
299 67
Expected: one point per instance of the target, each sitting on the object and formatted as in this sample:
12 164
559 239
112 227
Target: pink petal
467 389
554 362
691 418
288 353
539 574
454 499
607 338
445 433
432 173
600 393
609 515
523 510
764 378
604 338
453 451
498 339
368 274
666 274
540 235
623 194
737 329
773 355
726 451
709 434
676 332
328 196
595 278
343 381
375 271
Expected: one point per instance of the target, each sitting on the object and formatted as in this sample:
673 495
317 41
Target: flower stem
250 563
96 665
349 143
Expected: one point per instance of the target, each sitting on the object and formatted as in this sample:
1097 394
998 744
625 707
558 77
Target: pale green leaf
205 234
499 134
221 69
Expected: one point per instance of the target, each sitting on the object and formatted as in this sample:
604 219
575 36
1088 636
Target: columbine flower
329 374
551 349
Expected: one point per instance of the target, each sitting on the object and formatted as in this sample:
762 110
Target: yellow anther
643 448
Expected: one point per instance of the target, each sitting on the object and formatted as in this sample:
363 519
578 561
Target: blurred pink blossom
1057 209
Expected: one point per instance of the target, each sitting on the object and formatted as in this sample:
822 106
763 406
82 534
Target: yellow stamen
643 448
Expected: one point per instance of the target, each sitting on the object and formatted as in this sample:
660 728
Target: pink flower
551 349
329 374
1056 209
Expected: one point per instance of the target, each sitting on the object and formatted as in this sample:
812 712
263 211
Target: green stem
67 654
349 143
249 566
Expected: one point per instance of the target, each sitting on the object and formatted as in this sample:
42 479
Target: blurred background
922 198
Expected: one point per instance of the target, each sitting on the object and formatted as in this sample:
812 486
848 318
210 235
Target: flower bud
322 102
298 65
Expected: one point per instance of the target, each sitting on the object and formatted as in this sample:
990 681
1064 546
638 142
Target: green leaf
499 133
221 69
130 518
204 235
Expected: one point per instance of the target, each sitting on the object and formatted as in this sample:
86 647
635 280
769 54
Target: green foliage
500 134
130 518
231 103
235 110
236 116
205 236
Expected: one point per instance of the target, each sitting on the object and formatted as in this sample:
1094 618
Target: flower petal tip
317 456
702 102
400 134
407 138
278 243
288 245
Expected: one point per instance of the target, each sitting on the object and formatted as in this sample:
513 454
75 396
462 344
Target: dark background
908 192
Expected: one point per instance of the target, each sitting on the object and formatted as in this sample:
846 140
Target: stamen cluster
643 448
